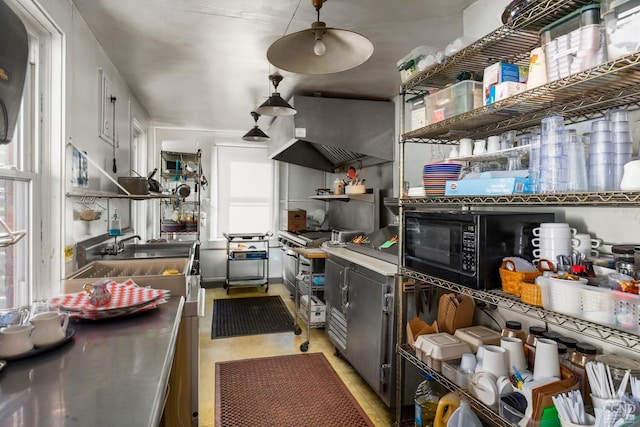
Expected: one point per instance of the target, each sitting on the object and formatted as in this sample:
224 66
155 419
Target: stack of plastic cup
601 157
622 142
534 162
553 156
577 173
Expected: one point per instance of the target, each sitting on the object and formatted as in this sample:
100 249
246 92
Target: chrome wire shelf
485 412
623 339
607 198
511 43
578 97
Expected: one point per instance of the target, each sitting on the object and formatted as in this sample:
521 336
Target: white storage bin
318 309
621 23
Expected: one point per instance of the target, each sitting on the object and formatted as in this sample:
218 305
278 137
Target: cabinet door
333 281
367 326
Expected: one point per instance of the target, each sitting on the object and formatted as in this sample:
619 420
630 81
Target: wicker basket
531 293
512 280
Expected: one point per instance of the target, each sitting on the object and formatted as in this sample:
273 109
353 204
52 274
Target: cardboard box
504 90
487 186
293 220
318 309
498 73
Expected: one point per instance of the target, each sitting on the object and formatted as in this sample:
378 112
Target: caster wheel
297 330
266 289
337 353
304 346
225 286
227 291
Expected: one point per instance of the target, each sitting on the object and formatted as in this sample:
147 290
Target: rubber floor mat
284 391
234 317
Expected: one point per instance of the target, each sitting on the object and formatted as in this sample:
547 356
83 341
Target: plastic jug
464 417
447 405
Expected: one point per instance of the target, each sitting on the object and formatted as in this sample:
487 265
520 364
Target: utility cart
250 253
309 294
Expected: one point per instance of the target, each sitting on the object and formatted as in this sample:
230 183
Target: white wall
82 57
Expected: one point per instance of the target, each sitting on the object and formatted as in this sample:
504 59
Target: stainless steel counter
113 373
373 264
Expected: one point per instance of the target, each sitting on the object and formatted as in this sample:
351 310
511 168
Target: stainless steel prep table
113 372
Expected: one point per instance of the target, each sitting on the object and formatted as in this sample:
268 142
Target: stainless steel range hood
328 133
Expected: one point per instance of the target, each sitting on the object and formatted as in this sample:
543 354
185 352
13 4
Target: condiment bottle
513 329
623 256
338 186
535 332
570 343
584 353
552 335
563 355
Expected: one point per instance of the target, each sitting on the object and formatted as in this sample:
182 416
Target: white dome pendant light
319 50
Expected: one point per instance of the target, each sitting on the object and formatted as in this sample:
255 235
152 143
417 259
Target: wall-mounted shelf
606 198
617 337
366 197
111 195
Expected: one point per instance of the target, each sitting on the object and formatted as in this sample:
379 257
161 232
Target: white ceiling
202 63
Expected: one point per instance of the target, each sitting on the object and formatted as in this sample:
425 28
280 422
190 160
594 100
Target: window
21 170
245 185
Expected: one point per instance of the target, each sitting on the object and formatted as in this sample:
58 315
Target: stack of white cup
622 142
601 157
553 239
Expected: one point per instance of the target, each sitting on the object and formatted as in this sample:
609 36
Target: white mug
49 328
493 144
479 146
587 245
15 340
554 242
466 147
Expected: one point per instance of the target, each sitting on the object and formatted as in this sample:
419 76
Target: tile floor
222 349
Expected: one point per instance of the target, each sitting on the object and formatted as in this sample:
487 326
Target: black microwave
468 247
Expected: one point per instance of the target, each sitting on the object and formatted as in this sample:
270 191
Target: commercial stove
297 239
304 238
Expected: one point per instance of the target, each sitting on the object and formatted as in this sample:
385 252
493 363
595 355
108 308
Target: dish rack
157 273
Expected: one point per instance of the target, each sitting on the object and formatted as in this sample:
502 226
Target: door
367 326
289 267
335 294
333 282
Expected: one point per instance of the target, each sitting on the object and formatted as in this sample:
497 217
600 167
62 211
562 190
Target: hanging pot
183 190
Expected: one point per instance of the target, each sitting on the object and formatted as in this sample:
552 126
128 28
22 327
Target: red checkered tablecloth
123 295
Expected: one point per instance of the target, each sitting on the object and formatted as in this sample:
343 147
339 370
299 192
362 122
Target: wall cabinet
578 97
180 175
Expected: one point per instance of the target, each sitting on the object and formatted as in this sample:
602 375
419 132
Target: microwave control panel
469 248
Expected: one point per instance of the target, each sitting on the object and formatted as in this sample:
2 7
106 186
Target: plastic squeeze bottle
114 225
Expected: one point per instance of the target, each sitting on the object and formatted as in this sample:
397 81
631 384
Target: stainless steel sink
158 250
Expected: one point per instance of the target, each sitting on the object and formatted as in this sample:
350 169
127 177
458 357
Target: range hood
328 133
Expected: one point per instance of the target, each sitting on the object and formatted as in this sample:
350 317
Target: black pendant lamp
275 105
255 134
319 50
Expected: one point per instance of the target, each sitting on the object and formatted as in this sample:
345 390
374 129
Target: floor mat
295 390
234 317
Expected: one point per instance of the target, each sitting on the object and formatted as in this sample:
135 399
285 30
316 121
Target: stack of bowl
435 176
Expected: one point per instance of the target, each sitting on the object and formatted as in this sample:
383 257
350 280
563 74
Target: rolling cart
248 248
309 306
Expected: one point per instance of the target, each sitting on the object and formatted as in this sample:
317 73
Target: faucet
118 246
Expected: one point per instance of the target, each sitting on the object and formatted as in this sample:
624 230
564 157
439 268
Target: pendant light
275 105
319 50
255 134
